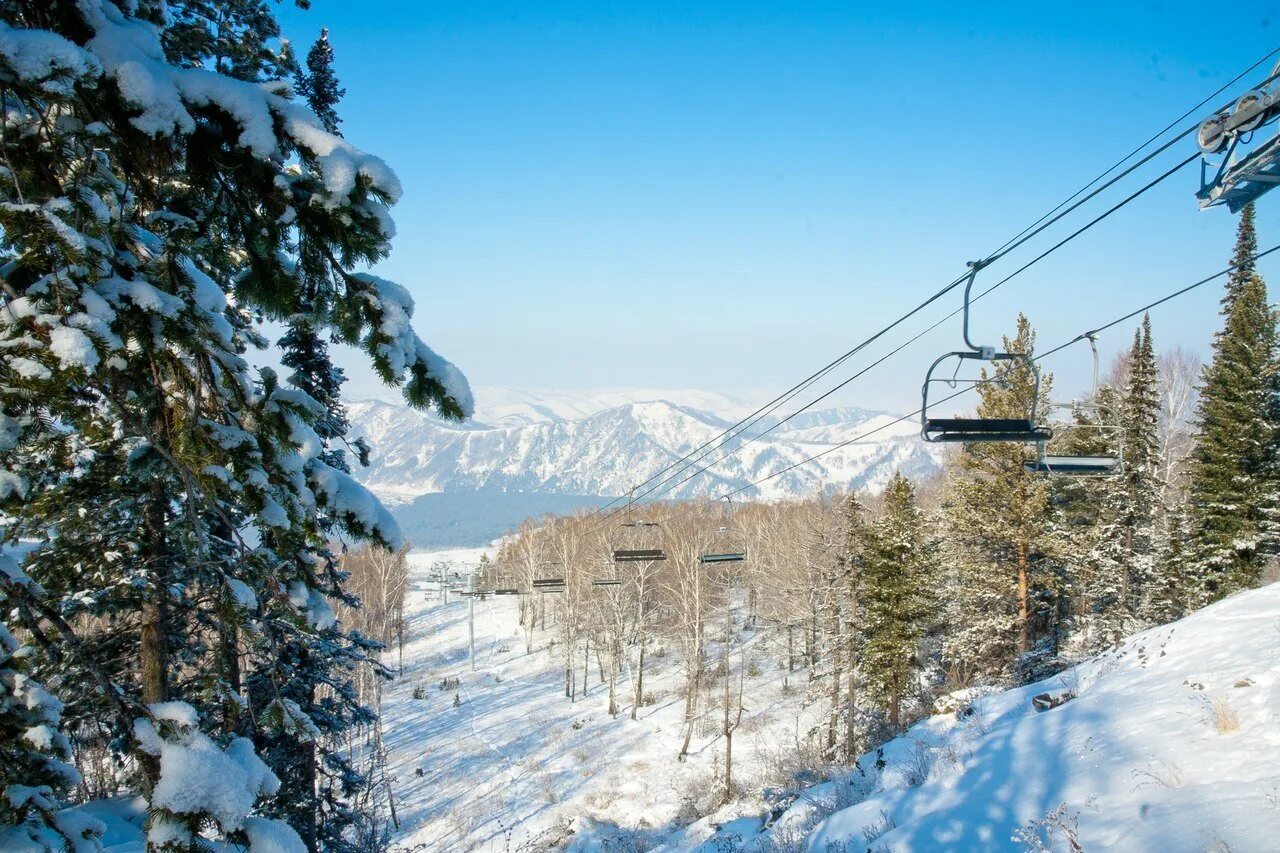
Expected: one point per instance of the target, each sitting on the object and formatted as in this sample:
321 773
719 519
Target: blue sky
727 195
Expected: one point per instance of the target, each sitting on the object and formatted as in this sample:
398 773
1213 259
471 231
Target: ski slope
515 765
1170 743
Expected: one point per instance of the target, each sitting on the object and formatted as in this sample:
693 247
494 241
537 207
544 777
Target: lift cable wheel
979 430
1084 465
1240 178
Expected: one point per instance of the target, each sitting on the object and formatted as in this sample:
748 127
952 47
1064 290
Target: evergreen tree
1232 480
895 599
35 772
1125 555
1006 593
319 85
162 196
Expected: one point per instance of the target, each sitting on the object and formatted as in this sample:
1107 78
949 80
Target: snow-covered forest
214 637
174 178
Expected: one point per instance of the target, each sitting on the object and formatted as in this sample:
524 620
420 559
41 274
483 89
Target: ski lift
1239 180
638 542
553 582
606 582
975 430
1082 465
506 590
729 546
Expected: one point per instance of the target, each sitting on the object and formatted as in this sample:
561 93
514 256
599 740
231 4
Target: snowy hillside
601 445
1171 742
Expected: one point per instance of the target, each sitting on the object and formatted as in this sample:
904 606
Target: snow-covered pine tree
896 600
1233 483
1005 593
158 184
1124 558
852 564
317 777
35 772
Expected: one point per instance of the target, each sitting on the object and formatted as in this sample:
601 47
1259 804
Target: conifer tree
35 772
1005 594
319 85
1125 556
852 565
159 193
1232 479
895 599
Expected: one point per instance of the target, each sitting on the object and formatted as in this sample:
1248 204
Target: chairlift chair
638 542
550 578
1083 465
548 583
728 546
979 430
1237 181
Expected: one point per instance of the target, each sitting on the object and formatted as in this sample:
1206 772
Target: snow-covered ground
515 765
1169 743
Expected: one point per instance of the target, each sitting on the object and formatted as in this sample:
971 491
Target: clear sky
727 195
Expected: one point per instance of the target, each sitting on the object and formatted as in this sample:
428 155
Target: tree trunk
613 682
639 695
850 743
692 685
895 706
791 648
728 729
1024 609
153 641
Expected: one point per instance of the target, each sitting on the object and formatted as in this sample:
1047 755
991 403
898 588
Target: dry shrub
1220 713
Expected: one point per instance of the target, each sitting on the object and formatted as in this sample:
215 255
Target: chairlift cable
1025 235
1077 339
732 451
1193 111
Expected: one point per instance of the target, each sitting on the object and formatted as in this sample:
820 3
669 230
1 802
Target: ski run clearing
1171 742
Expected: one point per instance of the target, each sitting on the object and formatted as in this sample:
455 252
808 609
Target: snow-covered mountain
603 443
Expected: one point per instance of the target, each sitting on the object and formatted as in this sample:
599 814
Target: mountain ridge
590 446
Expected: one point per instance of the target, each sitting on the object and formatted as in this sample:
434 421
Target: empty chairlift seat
638 542
1022 428
1078 466
728 546
976 430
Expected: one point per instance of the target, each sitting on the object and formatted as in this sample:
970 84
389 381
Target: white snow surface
1135 761
515 765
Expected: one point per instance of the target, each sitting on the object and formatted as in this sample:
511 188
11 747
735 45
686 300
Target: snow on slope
515 765
501 406
605 452
1171 743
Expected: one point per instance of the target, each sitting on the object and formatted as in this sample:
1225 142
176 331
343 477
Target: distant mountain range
601 443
